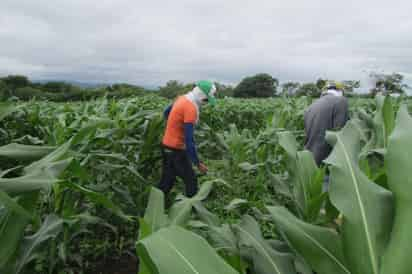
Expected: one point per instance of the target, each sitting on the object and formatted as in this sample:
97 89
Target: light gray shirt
326 113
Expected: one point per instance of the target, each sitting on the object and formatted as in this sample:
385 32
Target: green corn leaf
256 249
155 216
98 198
50 228
174 250
366 206
397 255
321 247
25 152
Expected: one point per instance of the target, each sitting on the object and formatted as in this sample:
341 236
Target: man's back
327 113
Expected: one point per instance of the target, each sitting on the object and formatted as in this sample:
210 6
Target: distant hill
91 84
74 83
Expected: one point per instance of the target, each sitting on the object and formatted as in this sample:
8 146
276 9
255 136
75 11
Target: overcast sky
149 42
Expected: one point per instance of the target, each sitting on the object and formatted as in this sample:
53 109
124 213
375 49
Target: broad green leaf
144 229
288 142
6 110
12 227
204 191
235 203
398 161
384 120
366 206
39 179
25 152
237 263
245 166
310 177
99 198
58 154
176 250
223 238
205 215
306 177
50 228
7 171
256 249
89 129
155 216
12 205
180 211
321 247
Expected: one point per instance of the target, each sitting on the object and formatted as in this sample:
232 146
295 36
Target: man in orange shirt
178 145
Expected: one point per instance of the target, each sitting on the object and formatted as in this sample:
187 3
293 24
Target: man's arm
190 143
341 114
167 111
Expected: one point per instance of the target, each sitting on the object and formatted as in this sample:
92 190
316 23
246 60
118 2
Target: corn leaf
176 250
256 249
321 247
366 206
397 256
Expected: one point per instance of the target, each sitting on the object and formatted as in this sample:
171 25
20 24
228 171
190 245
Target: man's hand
202 168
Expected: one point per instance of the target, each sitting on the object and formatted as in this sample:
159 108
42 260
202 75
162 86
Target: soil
124 265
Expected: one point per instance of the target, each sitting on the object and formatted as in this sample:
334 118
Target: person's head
333 85
205 91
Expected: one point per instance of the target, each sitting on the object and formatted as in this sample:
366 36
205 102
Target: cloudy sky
150 42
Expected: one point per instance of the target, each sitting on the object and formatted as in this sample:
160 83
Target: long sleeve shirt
188 130
327 113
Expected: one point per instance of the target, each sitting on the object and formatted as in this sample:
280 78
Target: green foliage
290 88
388 83
399 181
56 87
320 246
76 177
16 81
224 90
367 207
321 83
174 88
349 86
309 89
260 85
4 91
27 93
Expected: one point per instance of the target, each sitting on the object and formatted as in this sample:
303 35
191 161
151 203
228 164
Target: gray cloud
152 42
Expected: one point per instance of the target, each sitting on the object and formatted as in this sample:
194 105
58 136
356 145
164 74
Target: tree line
20 87
256 86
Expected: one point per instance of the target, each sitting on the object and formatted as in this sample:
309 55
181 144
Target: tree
16 81
321 83
388 83
309 89
28 93
4 93
350 85
224 90
290 88
174 88
260 85
57 87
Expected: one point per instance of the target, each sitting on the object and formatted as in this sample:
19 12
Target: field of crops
77 196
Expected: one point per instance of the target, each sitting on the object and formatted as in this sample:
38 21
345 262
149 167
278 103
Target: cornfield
77 190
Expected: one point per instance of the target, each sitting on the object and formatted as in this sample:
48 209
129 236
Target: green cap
208 88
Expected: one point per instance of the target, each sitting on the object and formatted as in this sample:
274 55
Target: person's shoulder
184 102
335 99
341 99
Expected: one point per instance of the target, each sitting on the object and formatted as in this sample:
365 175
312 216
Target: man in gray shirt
329 112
